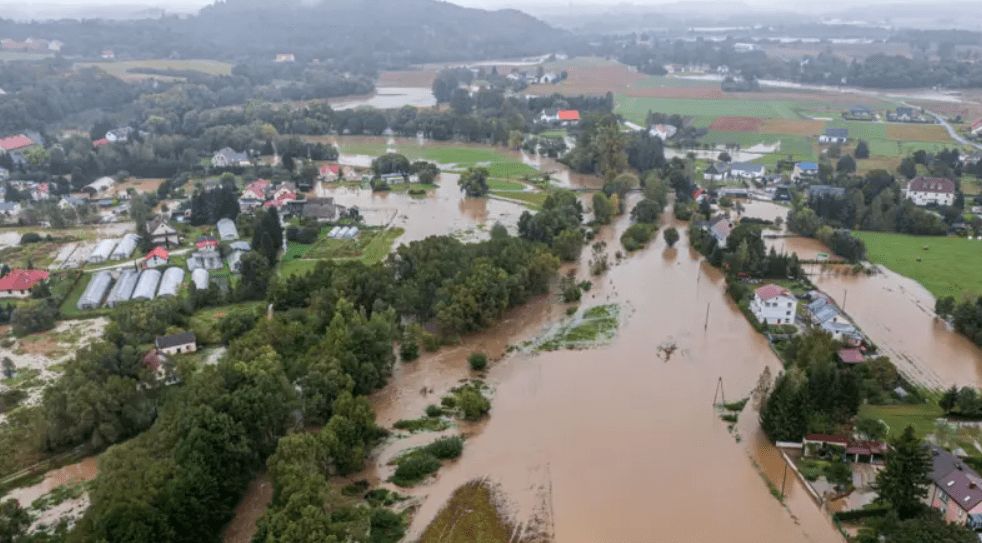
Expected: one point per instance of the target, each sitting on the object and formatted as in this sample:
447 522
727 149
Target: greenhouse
146 287
102 251
95 291
200 278
125 247
123 289
171 282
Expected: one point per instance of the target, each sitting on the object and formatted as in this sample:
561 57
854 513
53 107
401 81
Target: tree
473 404
908 168
610 146
8 367
390 163
944 306
474 182
871 429
846 164
862 149
646 211
929 527
603 208
478 361
783 415
671 236
256 274
568 245
14 522
33 316
724 157
949 400
903 481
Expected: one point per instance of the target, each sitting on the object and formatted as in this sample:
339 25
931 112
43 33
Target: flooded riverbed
85 470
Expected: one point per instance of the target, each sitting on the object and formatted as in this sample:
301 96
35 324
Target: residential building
18 143
834 135
119 135
773 304
162 233
568 116
851 356
931 190
330 172
663 131
183 342
158 256
256 190
720 228
841 331
860 111
18 283
957 489
227 157
716 172
805 170
285 57
108 54
747 170
9 209
550 78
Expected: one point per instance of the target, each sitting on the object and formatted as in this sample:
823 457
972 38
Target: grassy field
949 267
122 69
10 56
370 247
502 184
532 200
899 417
469 517
636 108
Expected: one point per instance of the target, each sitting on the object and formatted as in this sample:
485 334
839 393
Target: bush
387 526
448 401
446 448
473 404
682 211
30 237
430 342
862 513
34 316
570 311
414 469
636 236
433 410
478 361
308 235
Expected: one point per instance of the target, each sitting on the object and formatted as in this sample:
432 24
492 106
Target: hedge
861 513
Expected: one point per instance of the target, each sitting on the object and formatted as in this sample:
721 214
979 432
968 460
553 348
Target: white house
773 304
931 190
183 342
805 170
834 135
663 131
228 157
162 233
717 172
747 170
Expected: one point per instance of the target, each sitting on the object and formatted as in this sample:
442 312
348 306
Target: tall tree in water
610 144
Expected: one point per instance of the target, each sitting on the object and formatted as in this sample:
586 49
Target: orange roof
22 279
15 142
158 252
569 115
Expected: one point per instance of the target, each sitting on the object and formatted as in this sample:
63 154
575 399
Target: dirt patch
596 80
917 132
699 93
736 124
141 185
791 127
407 78
967 110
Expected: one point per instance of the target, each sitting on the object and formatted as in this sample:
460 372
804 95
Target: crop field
656 81
596 80
122 69
917 132
737 124
791 127
948 267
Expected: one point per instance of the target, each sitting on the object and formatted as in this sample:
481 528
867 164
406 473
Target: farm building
126 247
99 185
123 288
157 257
95 291
146 287
171 282
227 230
102 251
208 259
200 279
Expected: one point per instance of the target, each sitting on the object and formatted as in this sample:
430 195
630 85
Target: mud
86 470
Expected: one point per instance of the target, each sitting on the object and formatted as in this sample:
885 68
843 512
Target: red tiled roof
158 252
932 184
97 143
767 292
977 124
697 193
15 142
851 356
866 447
152 360
826 438
22 279
207 243
330 168
569 115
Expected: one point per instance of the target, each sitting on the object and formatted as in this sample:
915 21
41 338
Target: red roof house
851 356
977 126
767 292
153 360
20 282
101 142
569 115
14 143
157 257
330 171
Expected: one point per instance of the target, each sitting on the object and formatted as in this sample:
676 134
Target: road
951 130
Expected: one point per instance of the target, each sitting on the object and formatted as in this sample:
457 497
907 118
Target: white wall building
931 190
774 305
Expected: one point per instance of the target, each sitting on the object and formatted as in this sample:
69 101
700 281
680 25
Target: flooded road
389 98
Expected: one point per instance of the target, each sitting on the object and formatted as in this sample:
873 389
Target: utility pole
845 292
784 478
706 326
719 392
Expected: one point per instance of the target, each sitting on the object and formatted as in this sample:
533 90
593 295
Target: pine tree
903 482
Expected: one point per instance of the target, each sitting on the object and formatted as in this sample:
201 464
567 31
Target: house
977 127
860 111
256 190
568 116
321 209
851 356
747 170
818 191
18 143
905 111
119 135
100 143
4 174
227 230
330 172
549 115
207 258
716 172
841 331
9 209
227 157
550 78
931 190
824 313
834 135
99 186
824 445
957 489
18 283
162 233
108 54
158 256
773 304
805 170
285 57
663 131
206 242
183 342
720 228
237 249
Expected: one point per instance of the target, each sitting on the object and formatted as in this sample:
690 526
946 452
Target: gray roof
173 340
717 168
748 167
842 328
837 132
95 291
825 314
126 246
231 157
200 278
227 230
123 288
960 482
8 207
102 251
240 246
171 282
146 287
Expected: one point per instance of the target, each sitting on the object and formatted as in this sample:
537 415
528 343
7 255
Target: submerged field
122 69
944 266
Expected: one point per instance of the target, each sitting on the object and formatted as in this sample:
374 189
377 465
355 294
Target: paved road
951 130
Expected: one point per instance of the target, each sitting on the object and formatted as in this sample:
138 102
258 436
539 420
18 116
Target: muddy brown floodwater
616 444
85 470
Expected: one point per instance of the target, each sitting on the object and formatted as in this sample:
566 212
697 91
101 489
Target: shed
146 287
96 290
200 278
227 230
171 282
102 251
126 247
123 289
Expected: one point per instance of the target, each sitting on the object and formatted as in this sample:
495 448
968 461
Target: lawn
502 184
371 247
122 69
675 82
899 417
636 109
533 200
69 309
510 169
949 267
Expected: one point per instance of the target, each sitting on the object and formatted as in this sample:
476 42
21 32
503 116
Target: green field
636 109
501 184
949 267
898 417
533 200
371 247
121 69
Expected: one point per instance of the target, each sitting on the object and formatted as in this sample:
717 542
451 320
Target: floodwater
617 444
257 498
390 98
86 470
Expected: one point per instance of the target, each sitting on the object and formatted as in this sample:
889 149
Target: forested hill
356 35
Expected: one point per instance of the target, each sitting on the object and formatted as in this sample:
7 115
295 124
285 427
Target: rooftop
173 340
851 356
768 292
15 142
22 279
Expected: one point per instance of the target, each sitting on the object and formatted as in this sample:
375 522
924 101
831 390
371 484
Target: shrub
30 237
415 469
473 404
430 342
448 401
570 311
387 526
682 211
433 410
446 448
478 361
